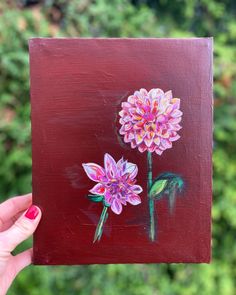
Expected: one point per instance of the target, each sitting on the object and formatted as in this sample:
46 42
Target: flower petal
108 197
134 199
127 126
131 135
163 104
94 171
175 120
99 189
126 118
174 138
157 140
169 95
132 170
175 127
142 148
137 189
122 200
137 95
122 113
122 130
110 166
121 121
158 152
133 144
143 92
131 99
121 166
169 109
138 138
120 163
161 119
116 206
176 103
125 105
152 148
155 93
148 141
126 138
166 143
176 114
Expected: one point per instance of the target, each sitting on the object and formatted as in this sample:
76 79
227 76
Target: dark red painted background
77 86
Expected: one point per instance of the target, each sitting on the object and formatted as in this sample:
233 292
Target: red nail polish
32 212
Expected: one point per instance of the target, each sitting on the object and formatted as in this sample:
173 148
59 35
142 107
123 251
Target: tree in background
122 18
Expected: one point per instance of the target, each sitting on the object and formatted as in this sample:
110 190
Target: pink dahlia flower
116 182
150 120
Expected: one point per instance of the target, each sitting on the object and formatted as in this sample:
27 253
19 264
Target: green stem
101 223
150 200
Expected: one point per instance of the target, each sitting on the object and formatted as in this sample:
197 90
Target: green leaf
169 185
95 198
157 188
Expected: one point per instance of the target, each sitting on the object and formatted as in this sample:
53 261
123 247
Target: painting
150 121
121 148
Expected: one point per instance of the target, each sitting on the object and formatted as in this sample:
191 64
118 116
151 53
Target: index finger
13 206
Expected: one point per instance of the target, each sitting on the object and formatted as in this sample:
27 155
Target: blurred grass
20 21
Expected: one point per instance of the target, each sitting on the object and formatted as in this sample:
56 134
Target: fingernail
32 212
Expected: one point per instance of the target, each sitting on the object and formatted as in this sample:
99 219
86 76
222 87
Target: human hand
16 225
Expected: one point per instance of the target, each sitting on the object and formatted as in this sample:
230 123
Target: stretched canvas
121 148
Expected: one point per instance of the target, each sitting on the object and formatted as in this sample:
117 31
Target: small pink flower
150 120
116 182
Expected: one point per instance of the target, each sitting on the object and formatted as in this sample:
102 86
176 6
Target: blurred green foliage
122 18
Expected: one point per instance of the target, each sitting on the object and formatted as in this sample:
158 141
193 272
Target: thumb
23 228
